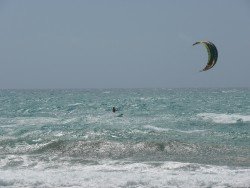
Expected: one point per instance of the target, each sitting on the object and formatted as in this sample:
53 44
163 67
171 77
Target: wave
74 104
160 129
97 149
224 118
157 129
106 119
127 174
230 91
106 92
29 121
143 151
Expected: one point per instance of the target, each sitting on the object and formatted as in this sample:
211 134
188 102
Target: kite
212 54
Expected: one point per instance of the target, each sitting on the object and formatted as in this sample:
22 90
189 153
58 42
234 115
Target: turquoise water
165 138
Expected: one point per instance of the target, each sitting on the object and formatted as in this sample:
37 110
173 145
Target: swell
138 151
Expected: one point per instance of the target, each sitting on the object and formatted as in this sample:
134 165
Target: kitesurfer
114 109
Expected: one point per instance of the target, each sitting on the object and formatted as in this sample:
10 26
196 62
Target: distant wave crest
224 118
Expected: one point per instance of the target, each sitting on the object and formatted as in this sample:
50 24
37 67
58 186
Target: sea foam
129 174
224 118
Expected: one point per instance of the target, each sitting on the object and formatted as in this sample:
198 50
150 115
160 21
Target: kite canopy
212 54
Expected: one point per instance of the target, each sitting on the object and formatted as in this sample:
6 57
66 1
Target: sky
122 43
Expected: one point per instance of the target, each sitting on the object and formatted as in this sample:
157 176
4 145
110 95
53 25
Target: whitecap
106 92
58 134
157 129
70 120
160 129
191 131
74 104
229 91
224 118
128 174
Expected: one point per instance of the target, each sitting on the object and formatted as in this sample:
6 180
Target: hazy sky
123 43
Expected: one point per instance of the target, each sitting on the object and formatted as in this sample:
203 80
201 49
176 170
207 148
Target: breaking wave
224 118
128 174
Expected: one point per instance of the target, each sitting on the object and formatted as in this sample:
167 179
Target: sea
198 137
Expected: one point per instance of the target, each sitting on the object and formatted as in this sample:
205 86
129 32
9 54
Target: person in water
114 110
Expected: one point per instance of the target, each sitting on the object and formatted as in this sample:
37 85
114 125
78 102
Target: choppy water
165 138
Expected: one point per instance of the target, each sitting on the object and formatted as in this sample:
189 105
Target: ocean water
165 138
